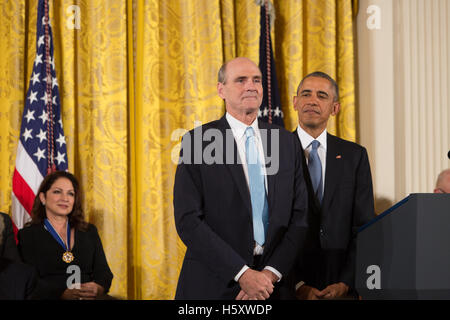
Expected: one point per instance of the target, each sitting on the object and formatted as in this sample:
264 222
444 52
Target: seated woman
62 247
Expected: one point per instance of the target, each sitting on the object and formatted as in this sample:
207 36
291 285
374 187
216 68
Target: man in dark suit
17 280
339 184
243 222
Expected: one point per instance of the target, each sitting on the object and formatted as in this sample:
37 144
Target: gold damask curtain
133 78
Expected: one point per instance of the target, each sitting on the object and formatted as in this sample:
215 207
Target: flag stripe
20 216
28 168
23 192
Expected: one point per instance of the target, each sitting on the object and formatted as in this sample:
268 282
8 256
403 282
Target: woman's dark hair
76 217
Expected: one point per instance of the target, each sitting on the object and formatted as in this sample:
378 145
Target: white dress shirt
238 128
306 140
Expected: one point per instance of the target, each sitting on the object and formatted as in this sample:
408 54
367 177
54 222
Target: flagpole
51 167
268 59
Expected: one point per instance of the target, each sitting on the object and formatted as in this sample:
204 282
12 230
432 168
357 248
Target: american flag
42 144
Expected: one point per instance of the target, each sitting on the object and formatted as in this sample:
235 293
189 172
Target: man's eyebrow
319 92
246 77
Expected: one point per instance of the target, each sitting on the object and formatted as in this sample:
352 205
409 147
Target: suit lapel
333 171
235 168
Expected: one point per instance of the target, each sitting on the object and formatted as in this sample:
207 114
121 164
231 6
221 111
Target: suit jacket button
321 231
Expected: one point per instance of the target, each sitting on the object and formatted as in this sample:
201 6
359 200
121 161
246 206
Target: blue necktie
315 170
260 209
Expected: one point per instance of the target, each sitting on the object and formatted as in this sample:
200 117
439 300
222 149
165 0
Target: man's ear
294 102
220 89
336 108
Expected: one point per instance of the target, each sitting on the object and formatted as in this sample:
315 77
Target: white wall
403 54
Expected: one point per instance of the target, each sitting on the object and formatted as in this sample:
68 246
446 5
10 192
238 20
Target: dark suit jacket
17 280
8 248
347 204
213 214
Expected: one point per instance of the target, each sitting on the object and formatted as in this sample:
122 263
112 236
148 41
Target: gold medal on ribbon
67 257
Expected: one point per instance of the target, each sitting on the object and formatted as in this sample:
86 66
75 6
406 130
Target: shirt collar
306 139
239 127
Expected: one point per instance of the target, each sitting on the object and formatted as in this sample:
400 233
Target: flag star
43 116
52 62
265 112
259 113
47 79
30 116
54 81
40 41
38 59
45 98
27 134
42 135
61 123
35 78
277 112
54 100
60 158
61 140
39 154
32 96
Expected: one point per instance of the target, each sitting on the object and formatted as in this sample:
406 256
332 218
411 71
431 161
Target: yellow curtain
133 78
317 35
